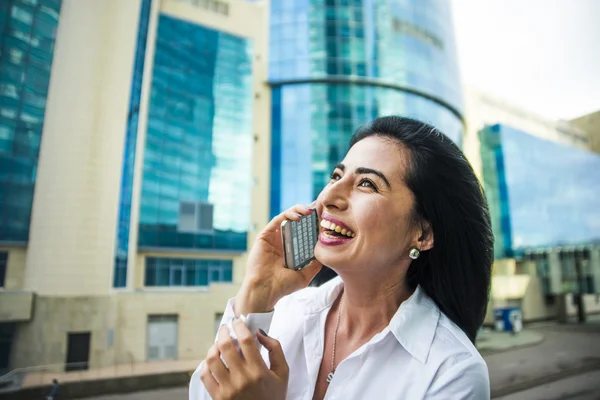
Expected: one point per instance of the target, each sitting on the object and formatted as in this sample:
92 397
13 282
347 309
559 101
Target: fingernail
263 333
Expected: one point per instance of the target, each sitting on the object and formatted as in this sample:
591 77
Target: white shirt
421 354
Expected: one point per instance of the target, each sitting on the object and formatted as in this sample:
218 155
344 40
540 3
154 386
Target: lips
334 232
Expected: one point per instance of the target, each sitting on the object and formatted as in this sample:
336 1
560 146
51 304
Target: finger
276 357
209 381
228 349
294 213
215 365
247 344
297 212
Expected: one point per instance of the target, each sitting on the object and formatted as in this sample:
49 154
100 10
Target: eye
367 184
335 176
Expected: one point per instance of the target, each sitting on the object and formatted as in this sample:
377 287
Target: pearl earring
414 254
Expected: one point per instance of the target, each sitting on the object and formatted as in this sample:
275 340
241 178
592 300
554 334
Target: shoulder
449 340
460 370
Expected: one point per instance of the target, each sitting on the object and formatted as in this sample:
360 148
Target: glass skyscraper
199 140
336 64
151 120
197 153
27 32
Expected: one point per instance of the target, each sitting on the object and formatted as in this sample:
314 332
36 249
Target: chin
331 259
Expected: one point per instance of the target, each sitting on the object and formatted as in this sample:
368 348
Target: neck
370 303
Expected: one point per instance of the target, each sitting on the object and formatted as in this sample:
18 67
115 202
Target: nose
334 195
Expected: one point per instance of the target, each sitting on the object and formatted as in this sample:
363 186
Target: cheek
384 226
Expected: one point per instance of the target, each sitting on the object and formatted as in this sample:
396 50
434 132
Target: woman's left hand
246 377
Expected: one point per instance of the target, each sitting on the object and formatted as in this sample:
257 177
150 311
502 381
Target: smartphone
299 239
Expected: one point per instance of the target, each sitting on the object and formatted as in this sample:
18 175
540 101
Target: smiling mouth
333 231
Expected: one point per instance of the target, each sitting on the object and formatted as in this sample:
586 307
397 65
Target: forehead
380 153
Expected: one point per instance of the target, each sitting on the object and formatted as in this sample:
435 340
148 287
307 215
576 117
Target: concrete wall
43 340
15 306
124 317
74 215
196 312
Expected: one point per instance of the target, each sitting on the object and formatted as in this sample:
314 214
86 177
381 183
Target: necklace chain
337 325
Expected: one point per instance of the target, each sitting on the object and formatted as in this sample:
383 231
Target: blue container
508 319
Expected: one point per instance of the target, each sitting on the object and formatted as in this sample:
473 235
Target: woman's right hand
267 280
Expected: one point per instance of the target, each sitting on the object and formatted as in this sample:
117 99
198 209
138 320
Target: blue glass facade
336 64
197 181
120 273
27 36
541 193
186 272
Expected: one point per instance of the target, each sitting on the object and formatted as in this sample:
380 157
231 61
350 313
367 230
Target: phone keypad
304 237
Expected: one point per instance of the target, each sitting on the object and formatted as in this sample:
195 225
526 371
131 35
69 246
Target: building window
78 351
162 337
197 180
3 266
123 227
187 272
7 331
27 36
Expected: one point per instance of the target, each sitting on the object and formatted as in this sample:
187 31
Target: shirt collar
413 324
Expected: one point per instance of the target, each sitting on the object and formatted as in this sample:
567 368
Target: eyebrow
364 170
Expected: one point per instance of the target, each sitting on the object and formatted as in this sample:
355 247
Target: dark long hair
456 272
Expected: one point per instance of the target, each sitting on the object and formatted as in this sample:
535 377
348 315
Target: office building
484 109
543 198
134 140
337 64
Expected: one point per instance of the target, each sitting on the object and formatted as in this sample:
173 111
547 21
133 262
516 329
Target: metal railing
13 378
42 375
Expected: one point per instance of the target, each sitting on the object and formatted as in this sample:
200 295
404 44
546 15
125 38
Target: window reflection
407 43
27 32
186 272
199 140
541 193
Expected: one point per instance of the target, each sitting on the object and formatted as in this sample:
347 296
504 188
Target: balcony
16 306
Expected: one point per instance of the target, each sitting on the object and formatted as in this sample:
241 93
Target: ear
426 238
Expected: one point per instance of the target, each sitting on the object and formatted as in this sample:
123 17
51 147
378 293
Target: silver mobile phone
299 240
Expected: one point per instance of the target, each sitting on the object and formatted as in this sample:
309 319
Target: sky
542 55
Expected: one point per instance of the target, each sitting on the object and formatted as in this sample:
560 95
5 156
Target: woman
400 320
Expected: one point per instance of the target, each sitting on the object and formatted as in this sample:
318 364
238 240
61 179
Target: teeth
333 227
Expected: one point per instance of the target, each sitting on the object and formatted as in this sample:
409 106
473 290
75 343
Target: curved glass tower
336 64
